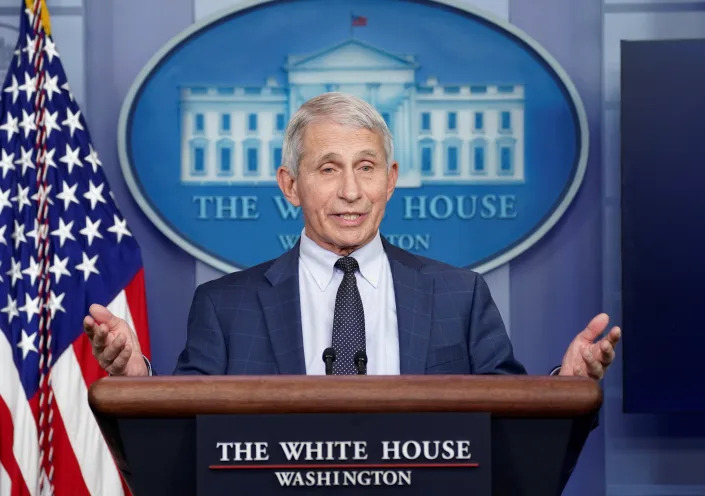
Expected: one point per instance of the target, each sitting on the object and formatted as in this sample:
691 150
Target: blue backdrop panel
663 236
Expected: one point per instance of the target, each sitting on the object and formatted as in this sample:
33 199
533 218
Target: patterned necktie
348 319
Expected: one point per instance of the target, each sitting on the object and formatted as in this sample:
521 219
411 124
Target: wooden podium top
186 396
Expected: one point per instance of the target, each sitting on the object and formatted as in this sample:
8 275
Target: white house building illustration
459 134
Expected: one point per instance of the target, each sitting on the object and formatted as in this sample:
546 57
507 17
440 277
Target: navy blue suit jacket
249 322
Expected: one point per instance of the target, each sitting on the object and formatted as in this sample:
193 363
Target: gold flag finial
46 23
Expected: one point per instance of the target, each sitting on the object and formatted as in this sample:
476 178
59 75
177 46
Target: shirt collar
321 262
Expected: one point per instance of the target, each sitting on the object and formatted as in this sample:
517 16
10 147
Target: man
343 286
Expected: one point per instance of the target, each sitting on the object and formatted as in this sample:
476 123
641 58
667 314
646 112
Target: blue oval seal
489 132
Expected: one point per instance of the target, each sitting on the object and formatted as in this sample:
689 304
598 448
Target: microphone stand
328 358
361 362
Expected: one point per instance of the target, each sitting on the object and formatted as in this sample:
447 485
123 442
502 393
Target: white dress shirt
318 286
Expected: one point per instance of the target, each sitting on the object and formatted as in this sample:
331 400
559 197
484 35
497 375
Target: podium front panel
348 454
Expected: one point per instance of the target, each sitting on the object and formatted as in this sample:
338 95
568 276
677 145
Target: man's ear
392 176
288 185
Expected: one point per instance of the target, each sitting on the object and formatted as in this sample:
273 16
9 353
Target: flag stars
6 163
29 48
33 270
94 194
18 235
87 266
26 343
4 201
91 230
30 307
70 158
15 271
29 86
49 158
14 89
58 268
22 197
93 159
26 159
55 302
51 86
27 123
10 126
50 123
63 232
67 88
30 15
10 309
67 195
73 121
119 228
50 49
25 184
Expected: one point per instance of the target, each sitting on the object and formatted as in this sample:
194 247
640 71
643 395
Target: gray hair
346 110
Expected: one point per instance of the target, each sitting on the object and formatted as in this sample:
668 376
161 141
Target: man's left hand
588 358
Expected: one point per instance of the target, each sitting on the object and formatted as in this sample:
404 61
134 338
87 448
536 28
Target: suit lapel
282 312
413 293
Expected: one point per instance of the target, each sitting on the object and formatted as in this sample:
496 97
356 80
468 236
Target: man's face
343 185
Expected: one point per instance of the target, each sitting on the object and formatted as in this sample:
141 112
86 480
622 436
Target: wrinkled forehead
326 137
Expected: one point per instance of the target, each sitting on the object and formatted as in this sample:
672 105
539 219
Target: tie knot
347 265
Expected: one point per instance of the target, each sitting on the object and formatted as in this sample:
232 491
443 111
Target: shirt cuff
150 373
555 371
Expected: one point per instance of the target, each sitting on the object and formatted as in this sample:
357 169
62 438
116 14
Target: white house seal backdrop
489 132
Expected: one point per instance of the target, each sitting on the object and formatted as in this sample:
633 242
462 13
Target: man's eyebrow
367 153
335 157
328 157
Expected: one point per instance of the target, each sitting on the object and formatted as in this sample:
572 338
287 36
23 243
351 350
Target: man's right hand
114 344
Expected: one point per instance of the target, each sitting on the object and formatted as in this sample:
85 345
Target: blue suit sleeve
205 351
490 350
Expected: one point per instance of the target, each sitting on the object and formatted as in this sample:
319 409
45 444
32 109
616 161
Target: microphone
361 362
328 359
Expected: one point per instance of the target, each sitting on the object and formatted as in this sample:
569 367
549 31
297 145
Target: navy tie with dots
348 319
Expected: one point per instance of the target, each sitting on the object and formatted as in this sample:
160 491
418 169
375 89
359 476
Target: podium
538 424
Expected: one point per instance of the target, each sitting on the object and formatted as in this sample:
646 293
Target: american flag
63 245
358 21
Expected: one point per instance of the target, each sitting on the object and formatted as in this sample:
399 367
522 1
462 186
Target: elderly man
343 291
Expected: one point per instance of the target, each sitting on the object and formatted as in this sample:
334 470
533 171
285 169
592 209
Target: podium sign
164 432
342 453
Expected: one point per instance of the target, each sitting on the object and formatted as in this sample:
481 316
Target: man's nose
349 187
